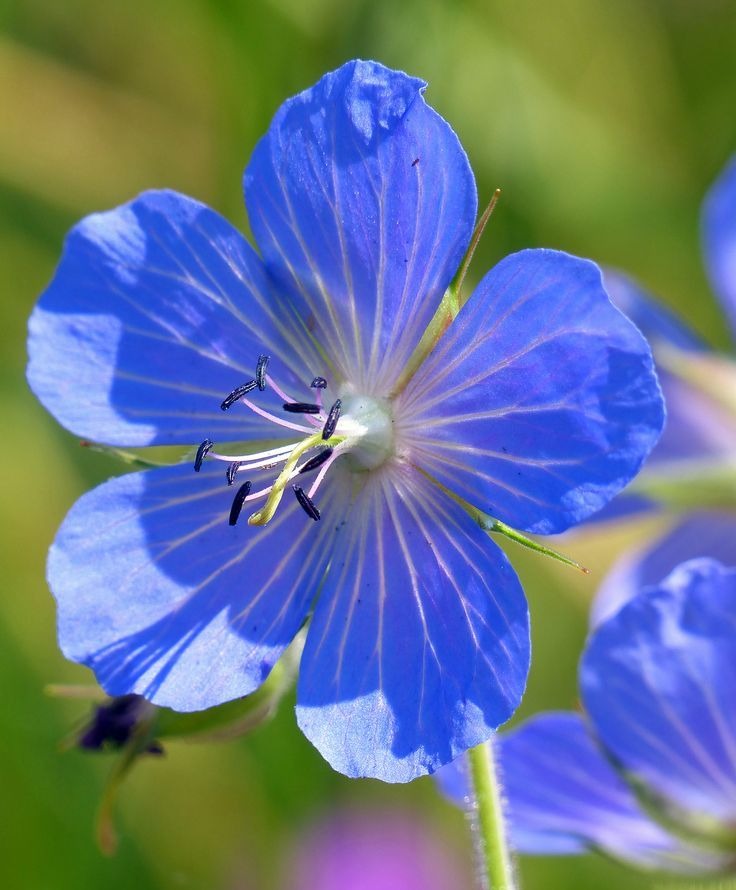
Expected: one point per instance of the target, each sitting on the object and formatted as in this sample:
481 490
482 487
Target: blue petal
658 680
362 202
540 402
158 309
419 646
719 239
160 596
564 796
709 534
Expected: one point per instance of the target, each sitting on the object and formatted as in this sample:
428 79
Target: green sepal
143 736
143 458
451 303
495 526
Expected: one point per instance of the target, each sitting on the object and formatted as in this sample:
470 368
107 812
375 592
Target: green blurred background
603 122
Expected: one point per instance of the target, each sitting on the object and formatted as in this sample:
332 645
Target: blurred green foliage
602 122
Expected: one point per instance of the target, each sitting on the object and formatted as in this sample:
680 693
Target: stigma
356 428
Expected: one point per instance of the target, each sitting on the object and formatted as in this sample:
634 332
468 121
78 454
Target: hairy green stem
494 857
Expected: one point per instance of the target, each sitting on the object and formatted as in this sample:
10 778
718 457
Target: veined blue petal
160 596
719 239
362 202
658 681
419 645
711 534
540 402
564 796
158 309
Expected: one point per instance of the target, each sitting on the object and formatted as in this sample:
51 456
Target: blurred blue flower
701 409
537 405
700 434
649 774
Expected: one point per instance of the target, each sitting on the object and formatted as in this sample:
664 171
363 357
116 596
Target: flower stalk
495 862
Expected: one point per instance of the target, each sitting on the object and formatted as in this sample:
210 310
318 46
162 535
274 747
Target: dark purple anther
261 371
306 503
332 419
202 452
238 502
238 393
316 461
301 408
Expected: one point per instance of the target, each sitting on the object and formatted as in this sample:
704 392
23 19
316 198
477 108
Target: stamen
301 408
318 383
231 472
332 418
273 419
238 502
262 516
316 461
306 503
238 393
202 452
263 361
258 459
340 449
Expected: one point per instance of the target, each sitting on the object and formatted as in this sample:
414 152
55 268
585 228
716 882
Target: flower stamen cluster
364 431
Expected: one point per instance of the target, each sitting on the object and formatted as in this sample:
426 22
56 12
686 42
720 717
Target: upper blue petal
362 203
658 681
540 402
157 310
419 645
719 239
711 534
160 596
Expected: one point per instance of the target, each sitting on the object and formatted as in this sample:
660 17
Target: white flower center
368 425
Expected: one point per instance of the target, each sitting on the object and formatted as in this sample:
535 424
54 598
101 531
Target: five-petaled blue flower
536 405
648 775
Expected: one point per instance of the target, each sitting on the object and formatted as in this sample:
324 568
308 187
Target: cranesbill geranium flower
648 773
358 440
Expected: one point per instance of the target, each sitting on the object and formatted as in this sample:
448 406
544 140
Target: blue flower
537 404
700 393
649 774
